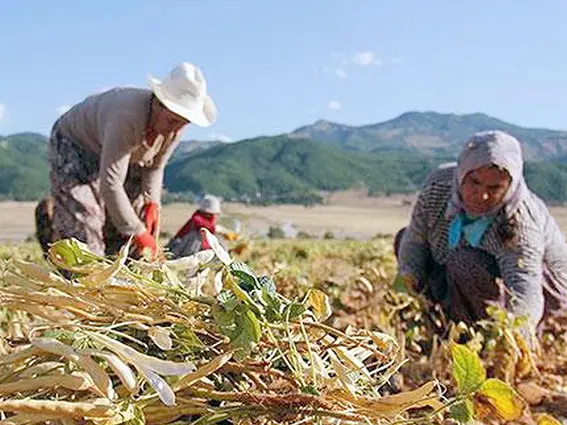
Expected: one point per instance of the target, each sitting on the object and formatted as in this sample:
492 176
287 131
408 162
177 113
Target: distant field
347 215
17 219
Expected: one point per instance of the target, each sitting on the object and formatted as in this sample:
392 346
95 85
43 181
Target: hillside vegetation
299 167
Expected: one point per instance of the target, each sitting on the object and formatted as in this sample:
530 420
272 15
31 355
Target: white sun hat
184 92
210 204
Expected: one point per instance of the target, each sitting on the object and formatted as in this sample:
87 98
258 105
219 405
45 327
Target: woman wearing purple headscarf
478 236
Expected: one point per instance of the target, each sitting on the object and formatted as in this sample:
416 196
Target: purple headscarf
491 148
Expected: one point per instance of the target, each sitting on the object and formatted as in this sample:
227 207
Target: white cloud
365 58
335 105
339 72
3 110
220 137
342 66
62 109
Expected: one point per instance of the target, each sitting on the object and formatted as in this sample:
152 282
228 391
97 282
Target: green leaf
252 325
71 254
463 412
520 321
498 314
273 305
187 336
139 417
245 274
310 389
508 405
268 284
103 275
247 331
158 276
293 310
128 414
227 300
467 369
245 297
223 318
66 249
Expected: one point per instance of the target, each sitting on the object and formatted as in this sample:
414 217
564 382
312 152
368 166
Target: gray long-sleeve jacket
112 125
540 253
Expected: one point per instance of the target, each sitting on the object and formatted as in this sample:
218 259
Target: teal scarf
471 229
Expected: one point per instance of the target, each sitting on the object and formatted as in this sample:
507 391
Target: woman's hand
151 217
146 241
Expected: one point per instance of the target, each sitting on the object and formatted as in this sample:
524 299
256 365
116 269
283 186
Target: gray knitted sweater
539 254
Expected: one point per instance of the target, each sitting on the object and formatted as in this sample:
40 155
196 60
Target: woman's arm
114 164
521 267
414 248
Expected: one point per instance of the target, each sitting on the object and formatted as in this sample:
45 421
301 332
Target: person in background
107 157
479 236
189 240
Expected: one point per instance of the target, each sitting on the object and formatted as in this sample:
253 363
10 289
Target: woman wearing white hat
108 154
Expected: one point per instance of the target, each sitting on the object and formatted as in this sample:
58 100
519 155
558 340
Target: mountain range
432 133
387 157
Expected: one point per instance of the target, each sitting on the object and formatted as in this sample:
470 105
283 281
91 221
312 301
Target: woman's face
484 189
164 121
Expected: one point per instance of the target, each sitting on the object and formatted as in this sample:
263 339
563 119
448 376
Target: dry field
356 276
346 215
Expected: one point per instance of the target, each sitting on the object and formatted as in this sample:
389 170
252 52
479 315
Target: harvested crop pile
201 339
358 277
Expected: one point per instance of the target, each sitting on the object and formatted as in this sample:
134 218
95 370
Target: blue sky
274 65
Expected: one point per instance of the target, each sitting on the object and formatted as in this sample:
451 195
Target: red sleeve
185 229
198 221
201 221
207 222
